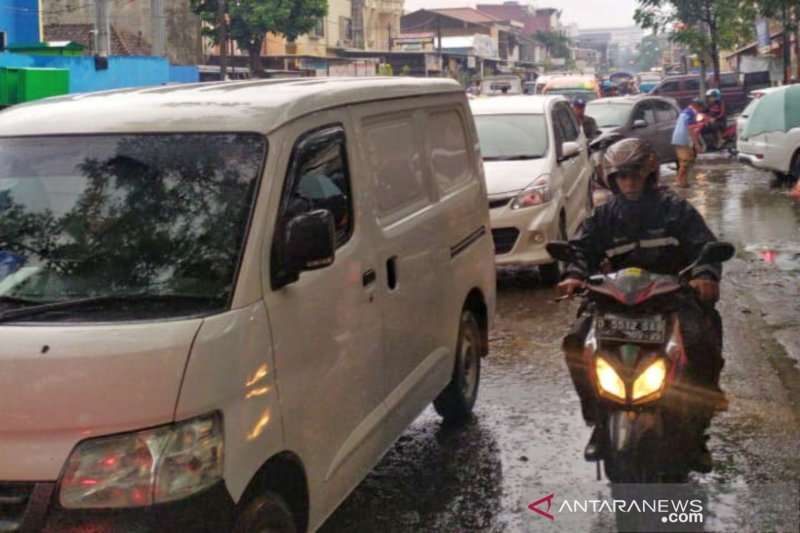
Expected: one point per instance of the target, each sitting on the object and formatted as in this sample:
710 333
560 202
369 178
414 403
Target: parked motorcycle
708 138
601 192
649 412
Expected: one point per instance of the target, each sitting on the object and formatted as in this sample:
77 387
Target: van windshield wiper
77 303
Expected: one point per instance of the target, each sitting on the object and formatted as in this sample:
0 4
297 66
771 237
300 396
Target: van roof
534 105
251 105
585 82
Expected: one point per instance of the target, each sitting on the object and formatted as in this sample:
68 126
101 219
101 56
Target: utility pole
159 32
389 29
787 61
102 28
223 39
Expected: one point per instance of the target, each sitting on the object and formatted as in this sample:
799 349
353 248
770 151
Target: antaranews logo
549 500
672 510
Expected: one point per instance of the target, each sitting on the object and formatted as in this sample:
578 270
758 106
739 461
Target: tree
704 26
556 43
249 21
648 53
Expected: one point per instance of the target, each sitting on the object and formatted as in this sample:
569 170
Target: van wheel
456 401
266 513
550 273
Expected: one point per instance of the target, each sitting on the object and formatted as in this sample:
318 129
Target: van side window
730 80
396 165
669 87
449 157
691 85
319 178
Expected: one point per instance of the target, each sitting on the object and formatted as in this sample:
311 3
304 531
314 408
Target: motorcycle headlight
145 467
608 380
537 193
650 381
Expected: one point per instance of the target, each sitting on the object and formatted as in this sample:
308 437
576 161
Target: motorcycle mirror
716 252
712 252
560 250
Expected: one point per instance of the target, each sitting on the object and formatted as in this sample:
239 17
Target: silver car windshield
509 137
121 215
609 115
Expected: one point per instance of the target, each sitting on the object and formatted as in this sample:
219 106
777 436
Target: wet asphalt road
527 437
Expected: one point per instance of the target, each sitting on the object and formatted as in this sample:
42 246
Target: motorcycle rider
647 227
715 108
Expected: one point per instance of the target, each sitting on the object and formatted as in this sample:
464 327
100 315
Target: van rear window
162 216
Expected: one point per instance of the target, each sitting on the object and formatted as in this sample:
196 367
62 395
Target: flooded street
527 438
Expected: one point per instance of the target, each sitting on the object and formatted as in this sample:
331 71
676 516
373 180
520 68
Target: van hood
62 384
512 176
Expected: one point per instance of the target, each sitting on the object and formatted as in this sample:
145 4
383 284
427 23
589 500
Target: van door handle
368 278
391 272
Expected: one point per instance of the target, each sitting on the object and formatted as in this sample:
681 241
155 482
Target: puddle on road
741 206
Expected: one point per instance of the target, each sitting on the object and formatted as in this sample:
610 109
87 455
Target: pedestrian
588 124
685 141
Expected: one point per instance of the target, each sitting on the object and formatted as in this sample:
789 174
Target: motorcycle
708 138
601 192
649 411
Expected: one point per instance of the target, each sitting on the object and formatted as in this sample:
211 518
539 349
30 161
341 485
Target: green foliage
251 20
703 26
557 43
648 53
386 70
405 70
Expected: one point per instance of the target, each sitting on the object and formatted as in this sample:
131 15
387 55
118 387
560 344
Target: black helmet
635 155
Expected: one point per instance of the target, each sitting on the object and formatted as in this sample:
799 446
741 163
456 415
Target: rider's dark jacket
660 232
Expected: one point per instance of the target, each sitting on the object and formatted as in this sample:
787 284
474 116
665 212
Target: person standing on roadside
588 124
684 139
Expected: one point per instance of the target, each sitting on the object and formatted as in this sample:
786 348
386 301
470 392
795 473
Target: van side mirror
639 123
310 242
569 149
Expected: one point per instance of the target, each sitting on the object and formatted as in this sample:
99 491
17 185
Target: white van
222 303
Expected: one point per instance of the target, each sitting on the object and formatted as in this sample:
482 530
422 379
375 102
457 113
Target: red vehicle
684 88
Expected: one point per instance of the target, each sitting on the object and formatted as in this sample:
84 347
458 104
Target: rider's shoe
592 450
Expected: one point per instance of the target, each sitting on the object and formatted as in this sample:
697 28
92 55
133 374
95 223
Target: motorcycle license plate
627 329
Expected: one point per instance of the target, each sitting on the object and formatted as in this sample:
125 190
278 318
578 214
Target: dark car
643 116
684 88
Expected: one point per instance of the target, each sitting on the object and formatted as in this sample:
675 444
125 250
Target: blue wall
20 20
122 71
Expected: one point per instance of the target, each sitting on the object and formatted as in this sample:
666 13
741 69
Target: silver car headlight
537 193
144 467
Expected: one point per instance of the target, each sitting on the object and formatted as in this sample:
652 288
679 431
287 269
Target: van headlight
145 467
537 193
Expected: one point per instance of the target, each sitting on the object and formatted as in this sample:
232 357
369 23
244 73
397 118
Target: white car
777 151
741 120
538 176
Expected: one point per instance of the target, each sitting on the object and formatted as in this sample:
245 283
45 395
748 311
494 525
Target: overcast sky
587 13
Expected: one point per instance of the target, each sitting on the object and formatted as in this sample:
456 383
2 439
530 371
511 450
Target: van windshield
609 115
108 217
511 137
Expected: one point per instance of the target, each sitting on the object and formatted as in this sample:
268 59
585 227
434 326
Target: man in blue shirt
684 139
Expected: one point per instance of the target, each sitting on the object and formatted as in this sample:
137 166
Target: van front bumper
211 510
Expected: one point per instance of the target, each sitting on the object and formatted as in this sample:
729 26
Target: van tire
456 401
550 273
266 513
